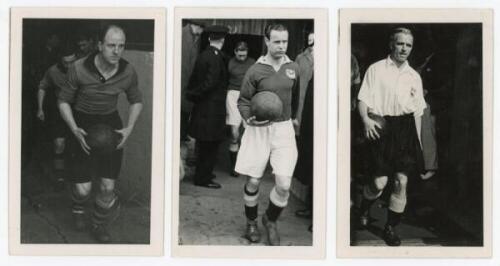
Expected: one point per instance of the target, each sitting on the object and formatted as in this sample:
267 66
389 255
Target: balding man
90 98
392 89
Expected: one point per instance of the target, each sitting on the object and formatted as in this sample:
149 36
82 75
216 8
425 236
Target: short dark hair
104 30
276 27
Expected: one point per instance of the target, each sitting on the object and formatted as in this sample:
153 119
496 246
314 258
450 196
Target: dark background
134 183
252 32
457 105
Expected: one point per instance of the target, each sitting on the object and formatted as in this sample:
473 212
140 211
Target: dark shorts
398 149
56 125
83 168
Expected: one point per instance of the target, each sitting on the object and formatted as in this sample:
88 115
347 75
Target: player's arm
134 97
40 97
42 87
247 91
134 112
364 98
65 98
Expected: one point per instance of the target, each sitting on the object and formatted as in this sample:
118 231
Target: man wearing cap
237 67
48 89
90 97
269 141
207 91
392 89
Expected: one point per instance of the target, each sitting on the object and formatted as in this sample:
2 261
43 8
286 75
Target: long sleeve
248 89
210 72
295 97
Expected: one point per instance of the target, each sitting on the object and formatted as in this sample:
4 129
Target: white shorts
274 143
233 116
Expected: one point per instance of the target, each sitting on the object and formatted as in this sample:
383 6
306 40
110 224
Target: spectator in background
207 91
85 44
237 67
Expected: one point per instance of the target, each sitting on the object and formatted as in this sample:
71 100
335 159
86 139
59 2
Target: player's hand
252 121
125 132
371 128
40 115
80 136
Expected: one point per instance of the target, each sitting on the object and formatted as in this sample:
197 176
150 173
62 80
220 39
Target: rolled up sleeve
365 92
134 94
69 88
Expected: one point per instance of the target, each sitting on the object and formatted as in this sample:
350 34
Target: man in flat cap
207 91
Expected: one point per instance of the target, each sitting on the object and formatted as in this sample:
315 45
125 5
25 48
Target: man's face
277 43
401 47
196 29
85 46
241 55
112 46
67 61
310 39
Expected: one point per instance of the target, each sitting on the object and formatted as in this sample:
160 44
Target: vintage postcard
249 133
414 138
87 131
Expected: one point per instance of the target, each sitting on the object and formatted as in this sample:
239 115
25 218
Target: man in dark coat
207 90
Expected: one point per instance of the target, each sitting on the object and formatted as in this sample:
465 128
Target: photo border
388 15
155 247
317 250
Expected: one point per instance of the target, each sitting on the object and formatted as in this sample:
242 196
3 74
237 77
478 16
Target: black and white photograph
416 111
246 132
86 123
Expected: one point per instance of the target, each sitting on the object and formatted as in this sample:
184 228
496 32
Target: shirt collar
264 61
90 65
390 62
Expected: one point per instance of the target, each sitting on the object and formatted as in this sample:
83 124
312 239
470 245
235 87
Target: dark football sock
393 218
251 211
273 212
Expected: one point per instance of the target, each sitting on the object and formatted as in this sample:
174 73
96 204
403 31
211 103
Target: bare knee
283 184
83 189
59 145
379 183
252 184
400 182
107 186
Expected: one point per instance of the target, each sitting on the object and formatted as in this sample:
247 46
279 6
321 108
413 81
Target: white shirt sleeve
366 91
419 98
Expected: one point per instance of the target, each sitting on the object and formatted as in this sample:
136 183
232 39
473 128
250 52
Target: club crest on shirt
290 73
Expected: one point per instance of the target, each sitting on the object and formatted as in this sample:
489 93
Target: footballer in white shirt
391 103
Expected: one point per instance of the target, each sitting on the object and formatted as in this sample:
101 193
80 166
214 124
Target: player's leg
233 119
371 192
396 208
283 158
107 169
58 160
251 162
80 195
106 209
251 197
233 148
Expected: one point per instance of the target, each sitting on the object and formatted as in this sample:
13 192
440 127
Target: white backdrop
333 7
